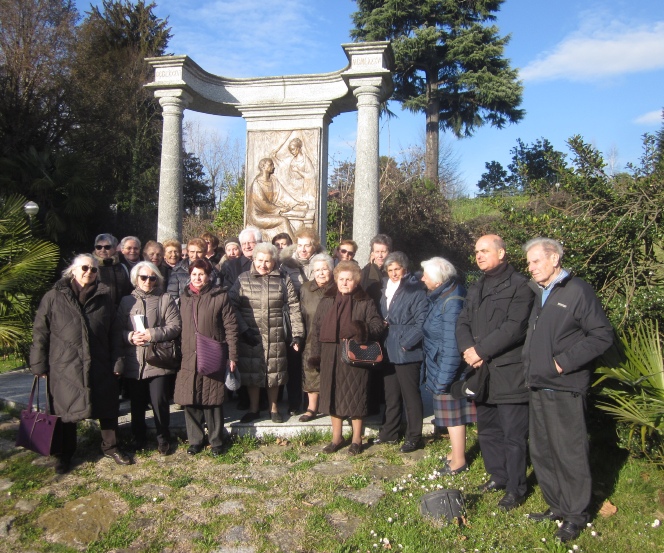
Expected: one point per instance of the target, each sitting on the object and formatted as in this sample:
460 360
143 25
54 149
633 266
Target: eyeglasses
248 244
151 278
104 247
347 252
87 268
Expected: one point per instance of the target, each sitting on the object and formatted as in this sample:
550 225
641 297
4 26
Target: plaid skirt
448 411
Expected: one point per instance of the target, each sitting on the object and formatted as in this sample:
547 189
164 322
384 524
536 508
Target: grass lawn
10 362
278 496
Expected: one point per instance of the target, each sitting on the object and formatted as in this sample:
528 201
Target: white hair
266 247
549 245
258 237
133 276
439 269
126 239
322 257
80 259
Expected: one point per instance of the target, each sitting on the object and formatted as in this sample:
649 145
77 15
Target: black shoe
217 450
546 515
449 471
250 416
119 457
511 501
332 447
490 486
354 449
164 448
409 447
62 466
276 417
568 532
194 449
378 441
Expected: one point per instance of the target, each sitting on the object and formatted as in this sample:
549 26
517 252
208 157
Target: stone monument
288 118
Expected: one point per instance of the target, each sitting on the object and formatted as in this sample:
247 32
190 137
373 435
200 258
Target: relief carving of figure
299 170
270 204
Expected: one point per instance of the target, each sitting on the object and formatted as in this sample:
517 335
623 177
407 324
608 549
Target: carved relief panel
283 174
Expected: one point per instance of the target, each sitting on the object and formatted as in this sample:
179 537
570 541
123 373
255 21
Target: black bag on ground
444 503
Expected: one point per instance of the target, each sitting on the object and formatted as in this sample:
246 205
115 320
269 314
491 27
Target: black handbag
448 504
165 355
39 431
365 356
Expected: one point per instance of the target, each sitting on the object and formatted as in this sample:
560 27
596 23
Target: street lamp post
31 209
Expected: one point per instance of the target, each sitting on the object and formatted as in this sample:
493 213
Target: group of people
509 353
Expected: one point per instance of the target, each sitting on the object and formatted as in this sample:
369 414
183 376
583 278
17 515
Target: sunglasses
151 278
105 247
347 252
87 268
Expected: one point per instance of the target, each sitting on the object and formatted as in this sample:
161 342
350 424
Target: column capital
173 101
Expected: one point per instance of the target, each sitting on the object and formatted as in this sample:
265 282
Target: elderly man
568 330
491 329
233 268
373 273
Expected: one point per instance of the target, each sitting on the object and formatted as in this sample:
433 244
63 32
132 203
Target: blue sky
594 68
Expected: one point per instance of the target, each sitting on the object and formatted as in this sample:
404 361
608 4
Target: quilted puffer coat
344 388
71 343
216 319
259 300
163 322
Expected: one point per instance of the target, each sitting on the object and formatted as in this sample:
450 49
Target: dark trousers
559 452
294 384
156 391
503 435
402 385
109 437
195 416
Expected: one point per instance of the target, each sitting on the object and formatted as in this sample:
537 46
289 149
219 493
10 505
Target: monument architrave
288 118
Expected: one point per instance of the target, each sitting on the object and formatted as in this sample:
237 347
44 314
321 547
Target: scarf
83 293
337 323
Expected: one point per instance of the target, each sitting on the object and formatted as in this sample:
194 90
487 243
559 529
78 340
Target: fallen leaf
608 509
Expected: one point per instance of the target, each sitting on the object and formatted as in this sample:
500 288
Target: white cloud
650 118
222 35
599 50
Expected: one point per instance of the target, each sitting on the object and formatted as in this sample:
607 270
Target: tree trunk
432 131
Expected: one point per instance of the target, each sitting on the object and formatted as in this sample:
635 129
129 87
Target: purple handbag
211 356
38 431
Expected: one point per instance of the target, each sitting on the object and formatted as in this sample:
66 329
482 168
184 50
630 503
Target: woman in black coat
345 311
72 345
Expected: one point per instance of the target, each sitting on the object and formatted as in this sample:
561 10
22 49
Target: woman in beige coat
259 297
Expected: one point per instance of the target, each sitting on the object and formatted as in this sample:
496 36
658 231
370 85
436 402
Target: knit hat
232 240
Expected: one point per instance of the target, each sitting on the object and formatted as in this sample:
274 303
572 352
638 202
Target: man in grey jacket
567 331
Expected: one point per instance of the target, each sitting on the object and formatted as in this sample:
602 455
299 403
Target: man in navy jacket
567 331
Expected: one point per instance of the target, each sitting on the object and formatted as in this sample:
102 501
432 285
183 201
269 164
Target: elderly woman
206 310
403 305
259 296
344 311
310 295
145 317
154 253
442 360
172 253
71 343
111 271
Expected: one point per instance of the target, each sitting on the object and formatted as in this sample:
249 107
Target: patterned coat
216 319
259 301
343 388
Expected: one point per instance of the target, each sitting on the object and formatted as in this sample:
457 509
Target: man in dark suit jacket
491 329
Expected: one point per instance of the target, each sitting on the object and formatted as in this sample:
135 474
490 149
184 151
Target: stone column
169 219
366 203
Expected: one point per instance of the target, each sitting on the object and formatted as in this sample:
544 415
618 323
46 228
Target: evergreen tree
449 64
196 193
